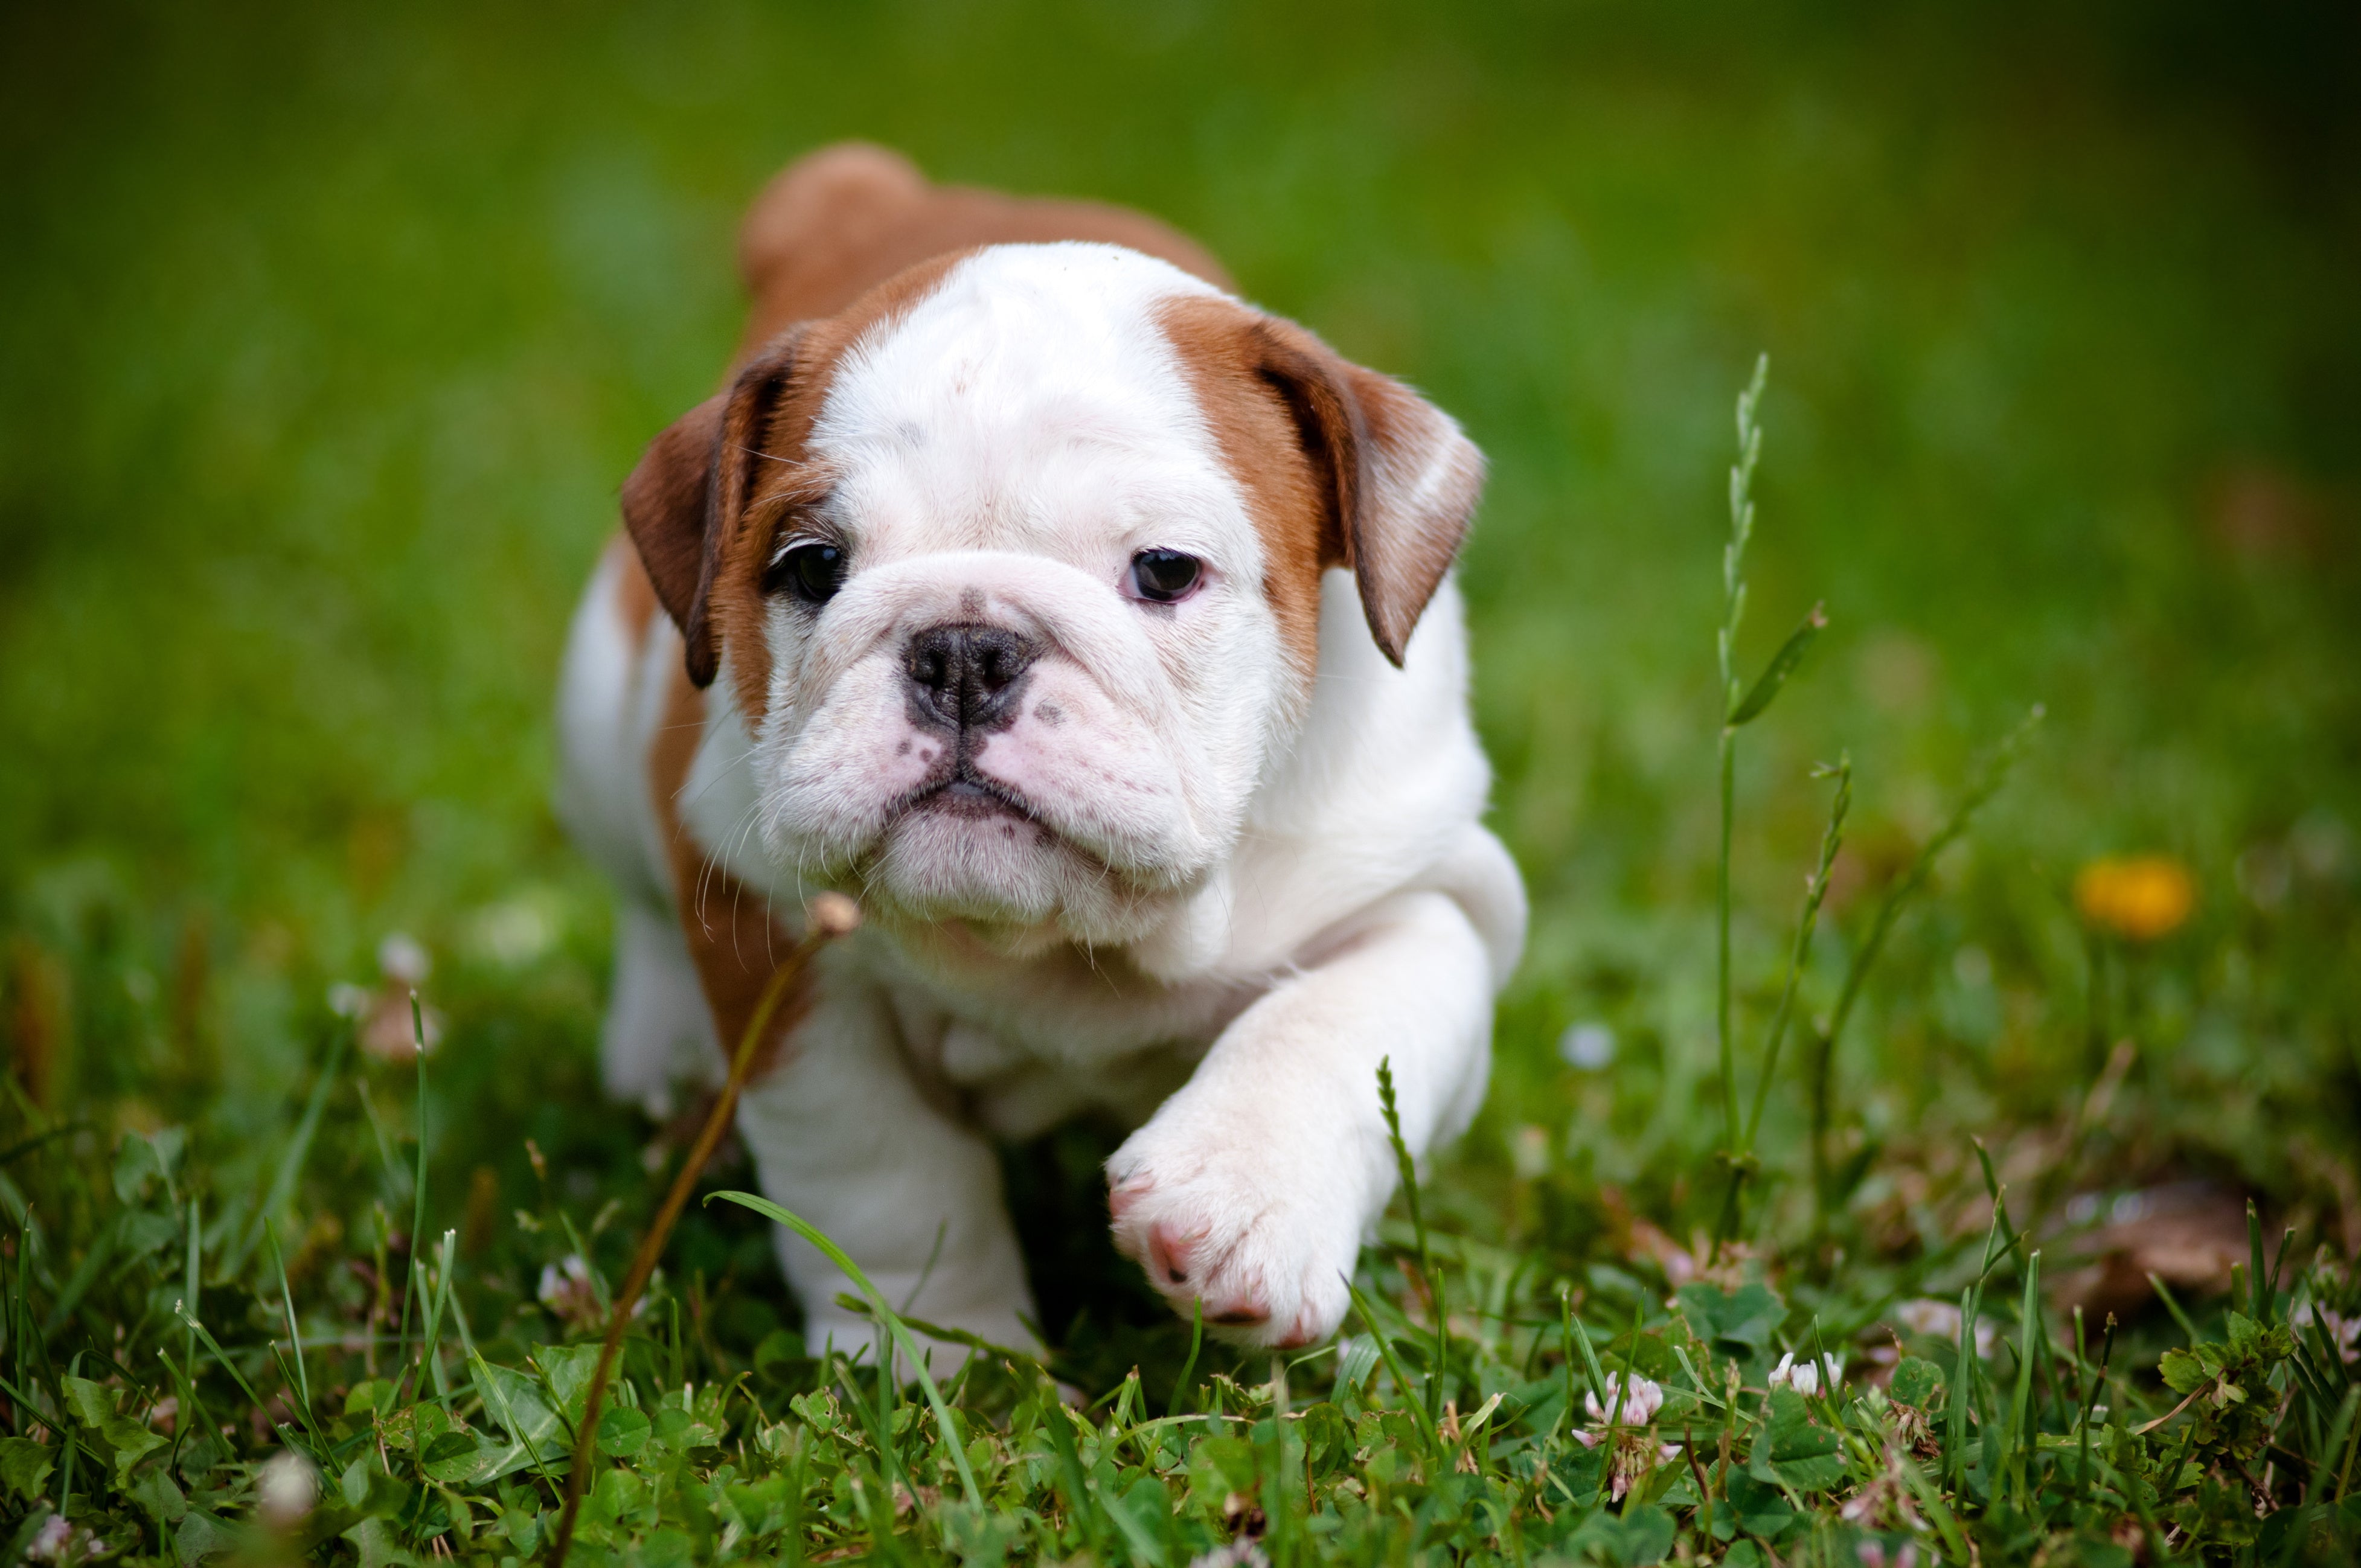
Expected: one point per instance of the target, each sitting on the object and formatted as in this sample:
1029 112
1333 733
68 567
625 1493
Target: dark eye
1164 576
814 570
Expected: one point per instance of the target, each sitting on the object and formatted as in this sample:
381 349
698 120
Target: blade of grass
1589 1355
1986 783
1430 1277
291 1163
1782 664
1816 890
1742 1162
898 1333
221 1356
2259 1284
74 1451
430 1335
2014 1459
190 1278
1930 1499
1955 1436
1196 1342
294 1330
488 1389
2090 1398
417 1272
1566 1316
2172 1305
2287 1240
196 1417
1393 1365
1070 1471
2338 1430
102 1247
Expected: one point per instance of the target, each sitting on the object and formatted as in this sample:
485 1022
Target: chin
964 855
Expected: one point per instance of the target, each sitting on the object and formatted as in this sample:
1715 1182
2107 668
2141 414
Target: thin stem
1733 610
1816 890
817 929
1985 784
1721 943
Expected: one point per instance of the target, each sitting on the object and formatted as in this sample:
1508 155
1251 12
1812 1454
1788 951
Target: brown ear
1402 480
683 501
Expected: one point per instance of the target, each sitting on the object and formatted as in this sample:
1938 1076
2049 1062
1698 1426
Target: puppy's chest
1019 1049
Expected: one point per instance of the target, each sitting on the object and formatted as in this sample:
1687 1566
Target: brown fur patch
634 601
1292 510
834 223
1341 467
734 941
778 414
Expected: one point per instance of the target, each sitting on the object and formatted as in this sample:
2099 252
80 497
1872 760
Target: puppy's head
1013 570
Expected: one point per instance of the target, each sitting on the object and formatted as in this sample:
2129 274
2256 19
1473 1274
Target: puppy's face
1014 569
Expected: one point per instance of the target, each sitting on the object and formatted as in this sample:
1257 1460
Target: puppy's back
838 222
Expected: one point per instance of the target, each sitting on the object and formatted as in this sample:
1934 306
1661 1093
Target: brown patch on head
1257 437
834 223
707 500
1341 467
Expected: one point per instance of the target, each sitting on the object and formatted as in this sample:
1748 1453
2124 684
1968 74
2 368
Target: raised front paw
1263 1240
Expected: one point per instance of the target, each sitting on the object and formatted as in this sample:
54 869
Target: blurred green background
326 337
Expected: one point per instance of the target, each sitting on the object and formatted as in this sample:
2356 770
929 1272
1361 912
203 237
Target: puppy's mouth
963 792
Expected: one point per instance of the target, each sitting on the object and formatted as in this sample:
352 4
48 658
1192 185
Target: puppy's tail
843 201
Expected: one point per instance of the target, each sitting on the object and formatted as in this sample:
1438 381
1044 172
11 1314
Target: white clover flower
1639 1403
1923 1316
1241 1553
1621 1421
567 1291
1804 1376
402 958
1588 1044
58 1542
1940 1320
285 1489
2343 1333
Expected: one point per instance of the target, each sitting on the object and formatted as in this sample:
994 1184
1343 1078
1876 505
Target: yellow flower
2139 896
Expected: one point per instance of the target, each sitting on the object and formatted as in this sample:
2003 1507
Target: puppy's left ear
683 503
1401 480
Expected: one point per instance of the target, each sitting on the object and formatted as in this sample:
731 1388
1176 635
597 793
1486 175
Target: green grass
329 340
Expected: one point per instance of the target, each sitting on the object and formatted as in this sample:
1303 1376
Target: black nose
968 677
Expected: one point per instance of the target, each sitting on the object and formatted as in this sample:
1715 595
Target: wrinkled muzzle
984 734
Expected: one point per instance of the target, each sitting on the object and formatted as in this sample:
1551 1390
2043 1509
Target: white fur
1228 902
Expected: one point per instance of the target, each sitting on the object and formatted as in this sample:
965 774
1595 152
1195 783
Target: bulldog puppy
1095 630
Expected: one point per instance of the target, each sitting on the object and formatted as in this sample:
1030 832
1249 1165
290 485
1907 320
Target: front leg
1250 1190
842 1137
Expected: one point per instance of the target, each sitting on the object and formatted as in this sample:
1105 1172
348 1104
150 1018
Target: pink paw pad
1170 1255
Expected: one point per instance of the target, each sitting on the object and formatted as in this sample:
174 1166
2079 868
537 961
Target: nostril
931 661
965 674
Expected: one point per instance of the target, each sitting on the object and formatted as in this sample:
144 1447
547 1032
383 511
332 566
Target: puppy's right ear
686 499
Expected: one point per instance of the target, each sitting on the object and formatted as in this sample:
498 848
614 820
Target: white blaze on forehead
1030 401
996 451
